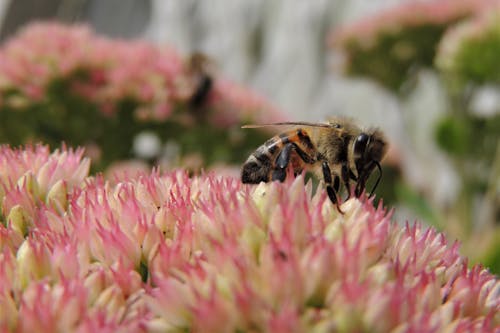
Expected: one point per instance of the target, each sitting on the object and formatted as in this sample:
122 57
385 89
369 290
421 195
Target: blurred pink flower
408 14
235 104
113 70
405 36
208 254
106 72
467 50
40 54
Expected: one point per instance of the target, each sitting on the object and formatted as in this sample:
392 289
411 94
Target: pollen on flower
169 252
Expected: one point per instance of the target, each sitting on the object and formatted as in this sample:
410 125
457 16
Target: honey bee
200 69
339 149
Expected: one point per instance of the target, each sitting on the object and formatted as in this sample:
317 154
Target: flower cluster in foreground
170 253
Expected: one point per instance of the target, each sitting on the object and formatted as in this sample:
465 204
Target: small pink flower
286 319
33 176
33 262
46 308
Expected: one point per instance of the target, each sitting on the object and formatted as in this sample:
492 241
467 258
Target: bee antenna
378 179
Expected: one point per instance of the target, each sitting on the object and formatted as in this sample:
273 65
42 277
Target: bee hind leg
281 163
332 185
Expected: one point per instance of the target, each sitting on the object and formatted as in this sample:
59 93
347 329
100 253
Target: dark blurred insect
200 71
339 149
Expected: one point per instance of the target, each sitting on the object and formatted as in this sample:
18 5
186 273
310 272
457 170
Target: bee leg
344 173
282 161
378 179
332 186
363 177
360 186
352 175
279 174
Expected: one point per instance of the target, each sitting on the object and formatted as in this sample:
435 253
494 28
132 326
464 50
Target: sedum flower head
173 253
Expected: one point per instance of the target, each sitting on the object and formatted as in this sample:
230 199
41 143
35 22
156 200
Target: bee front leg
362 179
344 173
360 186
332 185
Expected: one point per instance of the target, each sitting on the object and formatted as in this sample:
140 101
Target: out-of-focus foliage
64 83
395 56
469 136
460 40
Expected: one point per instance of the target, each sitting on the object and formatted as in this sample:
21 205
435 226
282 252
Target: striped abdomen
260 165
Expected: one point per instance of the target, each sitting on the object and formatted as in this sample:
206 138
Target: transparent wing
288 123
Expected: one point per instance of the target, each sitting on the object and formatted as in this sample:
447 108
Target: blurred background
141 83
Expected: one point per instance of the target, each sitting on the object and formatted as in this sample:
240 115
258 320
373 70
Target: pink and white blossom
169 252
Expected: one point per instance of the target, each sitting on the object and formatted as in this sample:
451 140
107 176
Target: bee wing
288 123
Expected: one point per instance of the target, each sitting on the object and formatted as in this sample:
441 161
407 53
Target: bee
340 150
200 70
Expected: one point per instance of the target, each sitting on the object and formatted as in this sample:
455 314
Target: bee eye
336 126
360 144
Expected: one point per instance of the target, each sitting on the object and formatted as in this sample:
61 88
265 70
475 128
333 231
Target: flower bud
33 262
19 220
57 196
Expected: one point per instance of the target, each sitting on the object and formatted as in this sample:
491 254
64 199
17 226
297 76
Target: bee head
368 150
369 147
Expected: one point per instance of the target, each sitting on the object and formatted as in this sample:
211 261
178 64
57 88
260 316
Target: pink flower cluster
113 70
106 71
170 253
409 14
